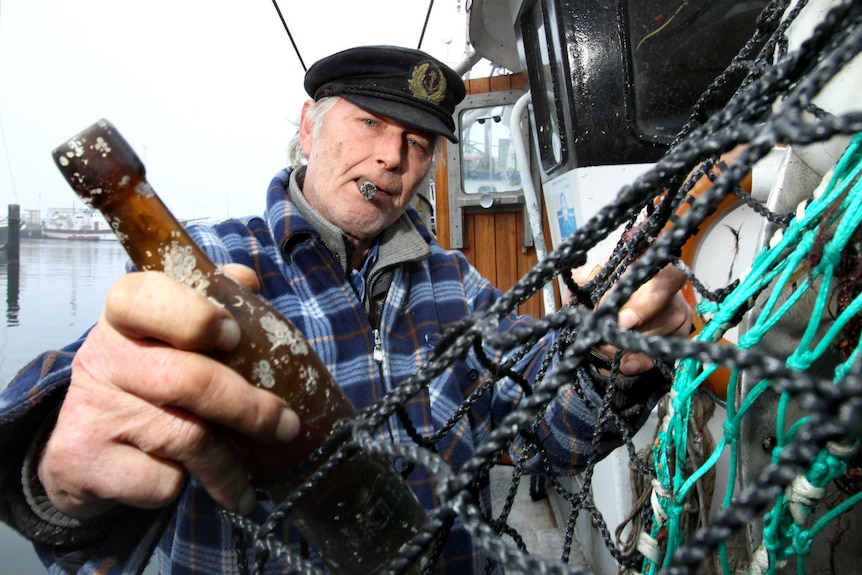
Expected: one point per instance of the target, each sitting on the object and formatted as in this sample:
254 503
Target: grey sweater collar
400 242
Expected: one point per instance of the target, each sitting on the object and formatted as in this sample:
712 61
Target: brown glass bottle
363 512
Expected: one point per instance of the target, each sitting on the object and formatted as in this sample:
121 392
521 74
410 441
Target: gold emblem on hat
427 82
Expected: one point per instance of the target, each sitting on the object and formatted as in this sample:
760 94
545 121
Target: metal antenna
424 24
289 35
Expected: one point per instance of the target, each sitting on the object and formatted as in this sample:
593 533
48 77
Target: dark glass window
544 87
676 49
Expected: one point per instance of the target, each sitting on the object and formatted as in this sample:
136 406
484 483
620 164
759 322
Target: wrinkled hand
657 308
145 404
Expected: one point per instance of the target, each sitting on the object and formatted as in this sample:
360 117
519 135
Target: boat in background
76 225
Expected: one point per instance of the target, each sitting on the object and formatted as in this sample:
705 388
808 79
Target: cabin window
544 76
676 49
488 163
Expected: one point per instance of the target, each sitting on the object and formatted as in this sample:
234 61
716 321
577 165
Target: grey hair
316 113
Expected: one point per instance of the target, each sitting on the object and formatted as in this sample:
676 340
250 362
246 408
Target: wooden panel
526 261
518 81
484 249
441 196
507 247
499 83
478 85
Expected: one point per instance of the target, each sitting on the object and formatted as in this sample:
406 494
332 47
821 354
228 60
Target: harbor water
53 294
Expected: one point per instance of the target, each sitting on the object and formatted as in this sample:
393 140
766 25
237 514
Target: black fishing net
670 529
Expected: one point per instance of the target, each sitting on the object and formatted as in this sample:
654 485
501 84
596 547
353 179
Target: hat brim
405 113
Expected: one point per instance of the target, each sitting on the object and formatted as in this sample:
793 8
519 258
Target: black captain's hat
406 85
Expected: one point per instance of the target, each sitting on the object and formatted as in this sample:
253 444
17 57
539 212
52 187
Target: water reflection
13 269
53 295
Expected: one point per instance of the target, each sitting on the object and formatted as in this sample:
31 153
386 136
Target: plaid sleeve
32 397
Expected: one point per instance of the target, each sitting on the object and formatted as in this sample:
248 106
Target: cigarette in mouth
367 189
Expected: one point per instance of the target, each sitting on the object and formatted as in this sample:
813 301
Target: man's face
353 146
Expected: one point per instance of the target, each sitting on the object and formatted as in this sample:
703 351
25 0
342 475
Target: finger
165 376
658 308
585 273
86 468
243 275
151 305
144 463
199 449
120 474
633 364
652 298
673 320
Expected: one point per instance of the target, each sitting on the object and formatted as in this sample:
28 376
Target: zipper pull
378 348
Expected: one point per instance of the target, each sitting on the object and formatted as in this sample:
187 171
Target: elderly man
115 448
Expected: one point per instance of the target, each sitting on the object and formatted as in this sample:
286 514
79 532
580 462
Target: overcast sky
206 91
